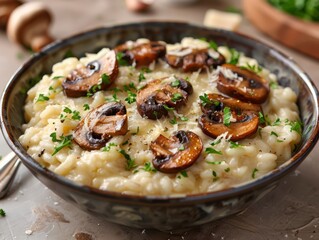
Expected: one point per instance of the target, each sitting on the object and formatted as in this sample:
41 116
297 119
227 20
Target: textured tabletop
291 211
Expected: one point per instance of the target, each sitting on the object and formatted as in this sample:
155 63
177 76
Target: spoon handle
9 166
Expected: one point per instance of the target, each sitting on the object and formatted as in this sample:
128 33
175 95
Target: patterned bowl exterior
161 213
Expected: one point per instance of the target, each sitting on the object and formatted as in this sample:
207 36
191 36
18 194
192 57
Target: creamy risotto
57 111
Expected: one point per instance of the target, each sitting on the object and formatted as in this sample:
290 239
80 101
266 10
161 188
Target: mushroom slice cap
152 100
243 118
100 125
176 153
194 59
81 81
143 54
246 86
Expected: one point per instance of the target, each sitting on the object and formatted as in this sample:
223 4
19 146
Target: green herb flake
57 77
274 134
213 45
233 9
64 141
215 176
235 55
76 115
130 163
254 68
214 162
205 100
296 126
261 118
277 122
105 79
173 121
273 85
176 97
131 97
184 119
212 151
181 147
227 116
216 142
227 169
86 107
253 175
2 213
114 98
183 173
108 147
148 167
141 77
137 131
167 108
42 98
67 110
175 83
120 59
234 144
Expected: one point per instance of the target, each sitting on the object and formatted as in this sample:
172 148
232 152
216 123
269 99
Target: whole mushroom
29 24
6 8
138 5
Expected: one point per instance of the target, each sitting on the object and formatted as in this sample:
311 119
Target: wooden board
289 30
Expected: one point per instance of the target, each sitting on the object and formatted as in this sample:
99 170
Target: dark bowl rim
137 199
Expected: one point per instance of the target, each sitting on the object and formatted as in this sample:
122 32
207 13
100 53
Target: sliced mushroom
246 86
176 153
194 59
142 53
154 100
81 81
243 122
100 125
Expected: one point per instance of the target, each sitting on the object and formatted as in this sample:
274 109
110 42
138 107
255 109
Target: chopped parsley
137 131
273 85
216 142
215 176
42 98
235 55
176 97
129 87
120 59
253 175
131 97
108 147
64 141
214 162
181 147
57 77
254 68
105 79
205 100
296 126
86 107
141 77
148 167
75 114
184 119
234 144
213 45
276 122
2 213
183 173
274 134
167 108
175 83
130 163
211 150
227 116
114 98
227 169
261 118
173 121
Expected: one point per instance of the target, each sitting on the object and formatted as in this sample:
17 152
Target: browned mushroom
97 75
194 59
28 25
239 119
245 85
100 125
6 8
142 54
177 153
160 95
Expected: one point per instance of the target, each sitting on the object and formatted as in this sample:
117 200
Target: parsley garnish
234 56
173 121
216 142
113 98
213 45
261 118
214 162
105 79
148 167
274 134
296 126
253 175
75 114
255 68
167 108
57 77
42 98
108 147
86 107
227 116
234 144
227 169
120 60
183 173
276 122
184 119
130 163
2 213
64 141
181 147
176 97
215 176
212 151
131 97
273 85
141 77
137 131
204 99
175 83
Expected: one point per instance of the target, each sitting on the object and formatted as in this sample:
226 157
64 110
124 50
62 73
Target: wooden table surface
289 212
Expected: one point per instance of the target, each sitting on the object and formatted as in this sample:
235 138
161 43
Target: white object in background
219 19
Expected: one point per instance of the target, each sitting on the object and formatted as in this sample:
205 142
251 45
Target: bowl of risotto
160 125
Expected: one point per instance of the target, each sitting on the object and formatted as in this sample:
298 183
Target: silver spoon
9 166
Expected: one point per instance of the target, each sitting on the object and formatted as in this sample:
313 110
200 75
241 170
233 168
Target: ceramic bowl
163 213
